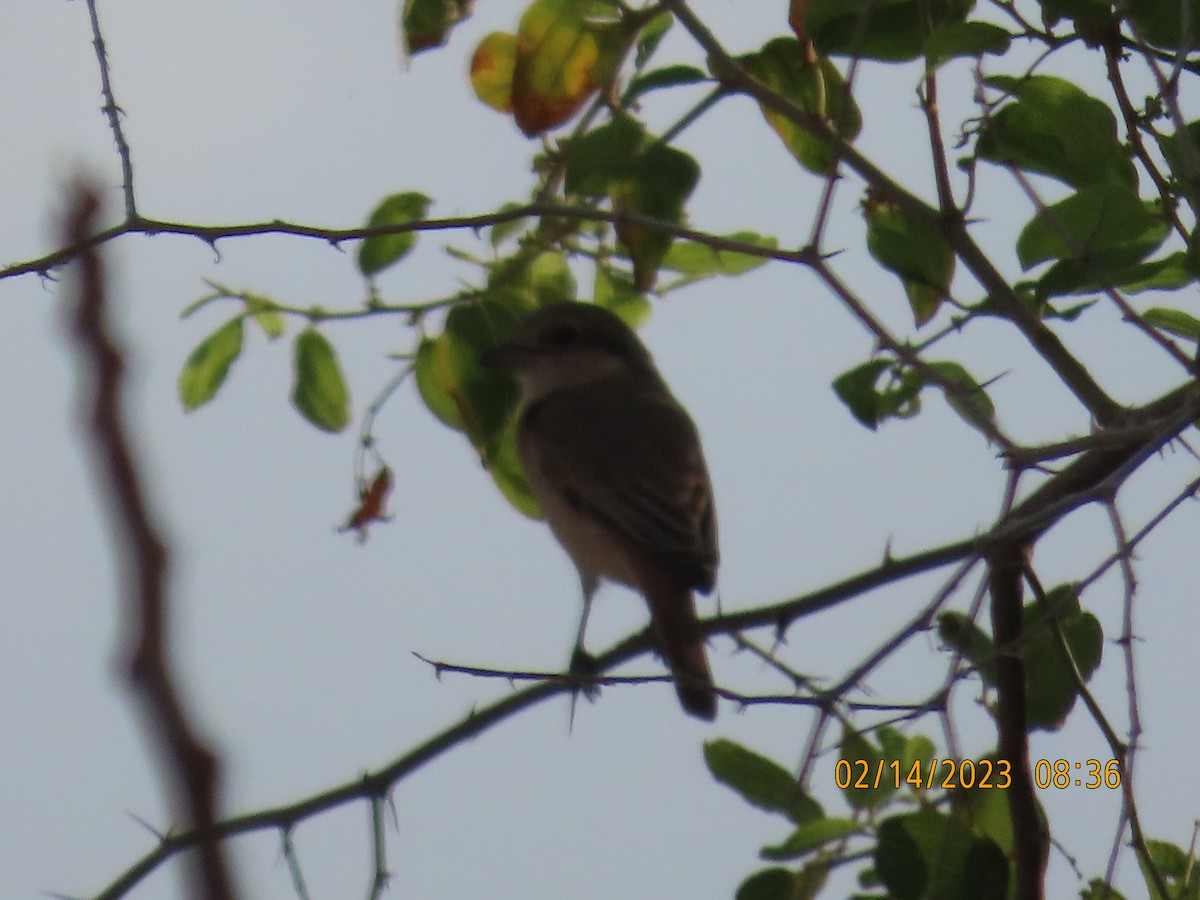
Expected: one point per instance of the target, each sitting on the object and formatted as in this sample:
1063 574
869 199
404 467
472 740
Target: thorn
162 836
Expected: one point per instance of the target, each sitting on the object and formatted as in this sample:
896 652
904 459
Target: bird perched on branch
615 462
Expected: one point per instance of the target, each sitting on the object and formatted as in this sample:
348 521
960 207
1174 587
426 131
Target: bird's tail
676 629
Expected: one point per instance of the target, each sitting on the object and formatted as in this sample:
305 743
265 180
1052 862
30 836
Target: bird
616 465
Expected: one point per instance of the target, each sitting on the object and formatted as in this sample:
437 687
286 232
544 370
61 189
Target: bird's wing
632 459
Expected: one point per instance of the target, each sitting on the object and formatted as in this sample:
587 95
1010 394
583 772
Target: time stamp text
949 774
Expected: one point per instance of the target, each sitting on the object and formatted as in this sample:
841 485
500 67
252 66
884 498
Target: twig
379 872
1103 408
189 768
113 113
210 234
1080 255
292 860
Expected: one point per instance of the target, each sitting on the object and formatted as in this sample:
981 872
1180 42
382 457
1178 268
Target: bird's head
566 345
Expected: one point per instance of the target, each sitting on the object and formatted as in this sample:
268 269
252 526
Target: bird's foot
583 667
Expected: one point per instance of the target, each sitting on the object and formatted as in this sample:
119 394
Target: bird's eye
561 336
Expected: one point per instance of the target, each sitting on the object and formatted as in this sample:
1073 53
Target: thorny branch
113 113
189 767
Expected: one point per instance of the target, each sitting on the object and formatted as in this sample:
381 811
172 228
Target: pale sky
295 644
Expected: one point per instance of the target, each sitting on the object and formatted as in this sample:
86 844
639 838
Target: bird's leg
582 663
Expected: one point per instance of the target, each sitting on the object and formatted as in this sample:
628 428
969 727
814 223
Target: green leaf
986 870
1097 890
318 390
426 23
856 389
657 183
810 836
614 290
696 261
501 231
1177 868
377 253
432 386
867 766
1106 226
1160 22
471 399
955 39
484 398
1170 273
666 77
889 30
1054 128
904 750
597 158
760 781
913 249
985 809
649 39
1050 690
638 174
504 465
550 278
965 395
927 855
974 644
817 87
206 367
871 405
1174 321
1182 151
1087 15
900 398
1069 276
266 315
768 884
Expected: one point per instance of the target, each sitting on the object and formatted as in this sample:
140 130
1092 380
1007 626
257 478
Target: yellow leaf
492 70
557 65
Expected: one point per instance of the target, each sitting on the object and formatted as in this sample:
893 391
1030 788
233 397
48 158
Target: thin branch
920 622
692 115
1133 131
1187 493
931 374
379 870
292 860
1124 550
1103 408
1080 255
1119 749
210 234
189 767
113 113
941 167
1168 91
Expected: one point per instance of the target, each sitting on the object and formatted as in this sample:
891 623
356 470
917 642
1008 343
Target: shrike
615 463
